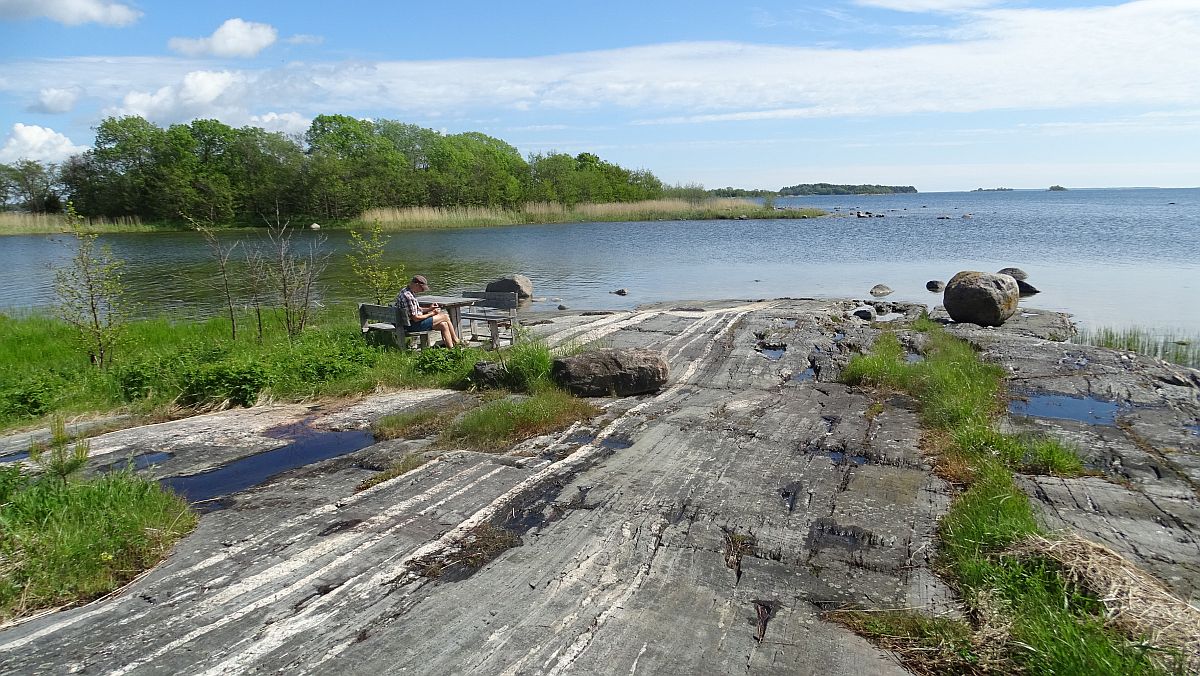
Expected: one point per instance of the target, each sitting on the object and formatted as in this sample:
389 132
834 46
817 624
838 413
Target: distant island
835 189
992 190
1057 188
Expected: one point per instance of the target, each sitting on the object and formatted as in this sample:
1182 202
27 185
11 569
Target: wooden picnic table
451 304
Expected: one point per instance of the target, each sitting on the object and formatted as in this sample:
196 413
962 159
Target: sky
938 94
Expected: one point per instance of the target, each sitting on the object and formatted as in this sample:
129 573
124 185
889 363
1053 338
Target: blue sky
940 94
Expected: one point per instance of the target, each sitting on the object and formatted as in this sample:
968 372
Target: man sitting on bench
424 319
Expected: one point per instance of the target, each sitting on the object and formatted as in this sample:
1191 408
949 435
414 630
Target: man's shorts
423 325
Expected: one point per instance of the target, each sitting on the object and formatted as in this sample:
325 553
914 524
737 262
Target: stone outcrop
519 284
981 298
620 372
865 312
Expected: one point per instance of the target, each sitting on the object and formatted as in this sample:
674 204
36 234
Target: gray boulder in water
1026 288
611 372
880 290
519 284
1016 273
935 285
981 298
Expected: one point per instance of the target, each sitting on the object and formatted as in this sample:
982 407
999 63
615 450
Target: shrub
238 382
29 398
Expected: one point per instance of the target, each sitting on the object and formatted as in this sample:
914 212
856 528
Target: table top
446 301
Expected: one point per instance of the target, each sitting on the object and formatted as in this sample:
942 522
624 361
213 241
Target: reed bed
1167 345
16 223
543 212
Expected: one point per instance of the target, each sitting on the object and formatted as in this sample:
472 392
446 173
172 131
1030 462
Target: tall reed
1161 344
17 223
543 212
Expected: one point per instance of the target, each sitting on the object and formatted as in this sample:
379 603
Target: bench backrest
501 300
389 314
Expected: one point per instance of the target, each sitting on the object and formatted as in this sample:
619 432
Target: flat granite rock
701 529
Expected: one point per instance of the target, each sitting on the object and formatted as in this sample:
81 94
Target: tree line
208 172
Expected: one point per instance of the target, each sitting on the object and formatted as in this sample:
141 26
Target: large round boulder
981 298
519 284
619 372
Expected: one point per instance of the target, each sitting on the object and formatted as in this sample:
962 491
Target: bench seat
387 325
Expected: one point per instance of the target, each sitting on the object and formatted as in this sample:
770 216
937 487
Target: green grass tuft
62 542
1160 344
501 423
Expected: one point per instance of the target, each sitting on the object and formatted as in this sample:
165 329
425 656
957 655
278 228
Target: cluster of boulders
983 298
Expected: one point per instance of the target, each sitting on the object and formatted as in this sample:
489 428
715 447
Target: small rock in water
315 226
1025 288
562 307
622 292
881 290
1016 273
935 285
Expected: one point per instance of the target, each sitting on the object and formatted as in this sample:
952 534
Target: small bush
238 382
29 398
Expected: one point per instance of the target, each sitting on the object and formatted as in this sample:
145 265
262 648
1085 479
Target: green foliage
835 189
527 365
924 324
212 173
29 397
238 382
501 423
91 294
61 460
63 542
381 281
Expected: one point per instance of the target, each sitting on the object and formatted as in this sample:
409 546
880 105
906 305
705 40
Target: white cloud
1125 55
289 123
71 12
201 93
302 39
235 37
927 5
31 142
54 100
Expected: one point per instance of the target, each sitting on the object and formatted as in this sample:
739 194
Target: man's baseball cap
420 279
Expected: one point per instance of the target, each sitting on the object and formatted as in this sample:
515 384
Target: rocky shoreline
702 529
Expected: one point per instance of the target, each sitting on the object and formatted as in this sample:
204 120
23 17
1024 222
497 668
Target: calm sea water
1110 257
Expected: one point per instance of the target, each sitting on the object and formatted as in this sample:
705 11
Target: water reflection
1108 256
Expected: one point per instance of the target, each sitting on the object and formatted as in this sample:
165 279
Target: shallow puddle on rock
839 457
138 462
913 358
804 376
774 354
616 443
1089 410
13 457
1195 429
308 446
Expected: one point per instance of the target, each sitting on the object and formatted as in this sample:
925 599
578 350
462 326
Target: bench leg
424 340
494 327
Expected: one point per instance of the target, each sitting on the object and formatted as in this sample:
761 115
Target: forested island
209 172
834 189
1057 188
992 190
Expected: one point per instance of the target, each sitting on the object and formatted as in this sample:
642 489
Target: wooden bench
498 309
387 325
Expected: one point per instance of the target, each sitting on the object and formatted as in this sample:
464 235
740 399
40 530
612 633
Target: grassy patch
1047 626
1167 345
482 544
503 422
67 541
165 365
926 645
405 465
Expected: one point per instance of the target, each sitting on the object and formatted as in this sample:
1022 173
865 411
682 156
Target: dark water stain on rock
616 443
774 354
138 462
308 446
826 531
1089 410
13 457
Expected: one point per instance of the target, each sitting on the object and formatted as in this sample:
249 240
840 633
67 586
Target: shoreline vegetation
412 218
